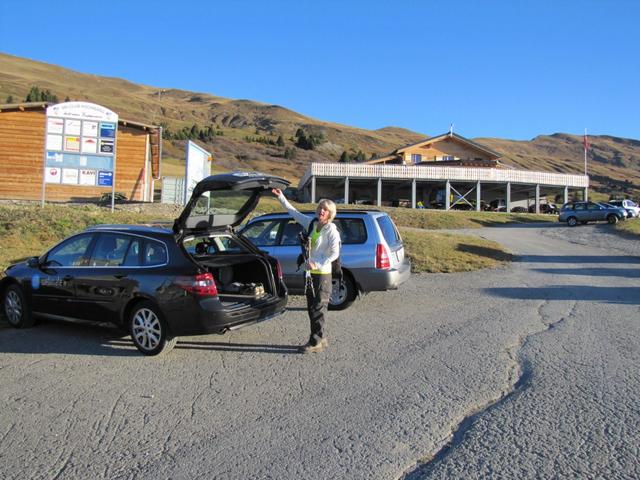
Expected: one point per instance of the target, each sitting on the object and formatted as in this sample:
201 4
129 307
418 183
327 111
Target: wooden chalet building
446 171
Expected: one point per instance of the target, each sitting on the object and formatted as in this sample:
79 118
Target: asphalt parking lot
530 370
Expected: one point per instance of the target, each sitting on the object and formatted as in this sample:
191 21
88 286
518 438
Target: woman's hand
276 191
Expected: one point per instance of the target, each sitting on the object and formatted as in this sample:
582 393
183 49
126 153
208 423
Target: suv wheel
16 309
342 293
612 219
572 221
149 331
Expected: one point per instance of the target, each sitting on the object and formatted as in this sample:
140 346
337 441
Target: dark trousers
317 305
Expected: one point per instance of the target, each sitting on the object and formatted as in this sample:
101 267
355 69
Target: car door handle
120 275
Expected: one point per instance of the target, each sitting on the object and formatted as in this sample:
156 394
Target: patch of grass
29 230
446 252
630 226
427 219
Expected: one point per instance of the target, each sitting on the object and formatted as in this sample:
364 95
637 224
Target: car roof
156 228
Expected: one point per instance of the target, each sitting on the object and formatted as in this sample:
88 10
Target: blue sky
510 69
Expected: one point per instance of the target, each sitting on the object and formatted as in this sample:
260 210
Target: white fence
172 190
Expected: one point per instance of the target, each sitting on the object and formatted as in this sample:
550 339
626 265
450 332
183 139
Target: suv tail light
201 285
279 270
382 257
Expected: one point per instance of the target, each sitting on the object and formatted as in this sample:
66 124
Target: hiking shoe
310 348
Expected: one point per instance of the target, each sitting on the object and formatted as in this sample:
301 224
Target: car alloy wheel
16 308
572 221
148 331
343 293
612 219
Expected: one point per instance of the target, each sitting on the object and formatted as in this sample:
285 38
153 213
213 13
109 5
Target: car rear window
389 231
155 253
352 230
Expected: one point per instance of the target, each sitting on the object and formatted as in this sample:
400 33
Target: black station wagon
199 277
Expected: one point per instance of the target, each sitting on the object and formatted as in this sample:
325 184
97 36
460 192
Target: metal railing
454 174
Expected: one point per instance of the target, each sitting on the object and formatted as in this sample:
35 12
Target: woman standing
325 248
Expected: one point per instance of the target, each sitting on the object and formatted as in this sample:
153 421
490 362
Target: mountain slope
614 162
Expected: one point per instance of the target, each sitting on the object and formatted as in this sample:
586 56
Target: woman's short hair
328 205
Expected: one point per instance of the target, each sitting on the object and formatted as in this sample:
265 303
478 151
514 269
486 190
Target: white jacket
327 248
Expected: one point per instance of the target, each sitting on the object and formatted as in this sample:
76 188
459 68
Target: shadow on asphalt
577 259
618 295
592 272
50 336
102 339
522 225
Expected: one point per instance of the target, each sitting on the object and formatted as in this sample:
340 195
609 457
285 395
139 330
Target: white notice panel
54 142
55 125
198 167
87 177
52 174
70 176
89 129
72 127
89 145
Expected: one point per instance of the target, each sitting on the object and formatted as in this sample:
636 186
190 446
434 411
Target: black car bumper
225 312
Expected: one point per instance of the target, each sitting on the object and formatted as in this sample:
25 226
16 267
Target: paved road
525 371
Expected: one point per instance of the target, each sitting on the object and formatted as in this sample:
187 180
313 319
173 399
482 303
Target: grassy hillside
614 162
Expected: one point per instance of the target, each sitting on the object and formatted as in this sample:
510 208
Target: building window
416 158
447 158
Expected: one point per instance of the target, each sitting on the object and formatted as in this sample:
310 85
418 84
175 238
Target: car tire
149 330
15 307
612 219
342 296
572 221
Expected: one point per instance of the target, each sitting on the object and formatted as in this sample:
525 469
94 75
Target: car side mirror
33 262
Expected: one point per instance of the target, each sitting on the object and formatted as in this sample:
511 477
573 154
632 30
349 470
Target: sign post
80 146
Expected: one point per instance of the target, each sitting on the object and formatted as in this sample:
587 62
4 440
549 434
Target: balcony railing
454 174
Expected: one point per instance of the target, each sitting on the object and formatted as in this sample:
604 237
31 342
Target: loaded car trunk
239 277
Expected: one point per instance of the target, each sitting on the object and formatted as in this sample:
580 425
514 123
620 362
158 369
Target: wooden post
478 196
313 189
507 200
346 190
380 191
537 198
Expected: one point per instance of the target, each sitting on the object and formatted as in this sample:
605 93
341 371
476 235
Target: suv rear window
389 231
352 230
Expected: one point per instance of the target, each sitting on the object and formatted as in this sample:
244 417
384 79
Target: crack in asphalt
519 375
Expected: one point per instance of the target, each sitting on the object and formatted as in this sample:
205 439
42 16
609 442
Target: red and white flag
586 142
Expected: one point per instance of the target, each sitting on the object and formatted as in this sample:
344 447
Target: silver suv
585 212
372 255
629 205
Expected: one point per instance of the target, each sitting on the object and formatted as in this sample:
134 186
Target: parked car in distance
548 208
498 205
372 255
519 210
159 283
632 208
584 212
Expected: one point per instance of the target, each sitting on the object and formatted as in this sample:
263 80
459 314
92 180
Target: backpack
336 265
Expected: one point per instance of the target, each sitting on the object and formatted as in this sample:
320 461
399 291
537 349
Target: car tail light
382 257
201 285
279 270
